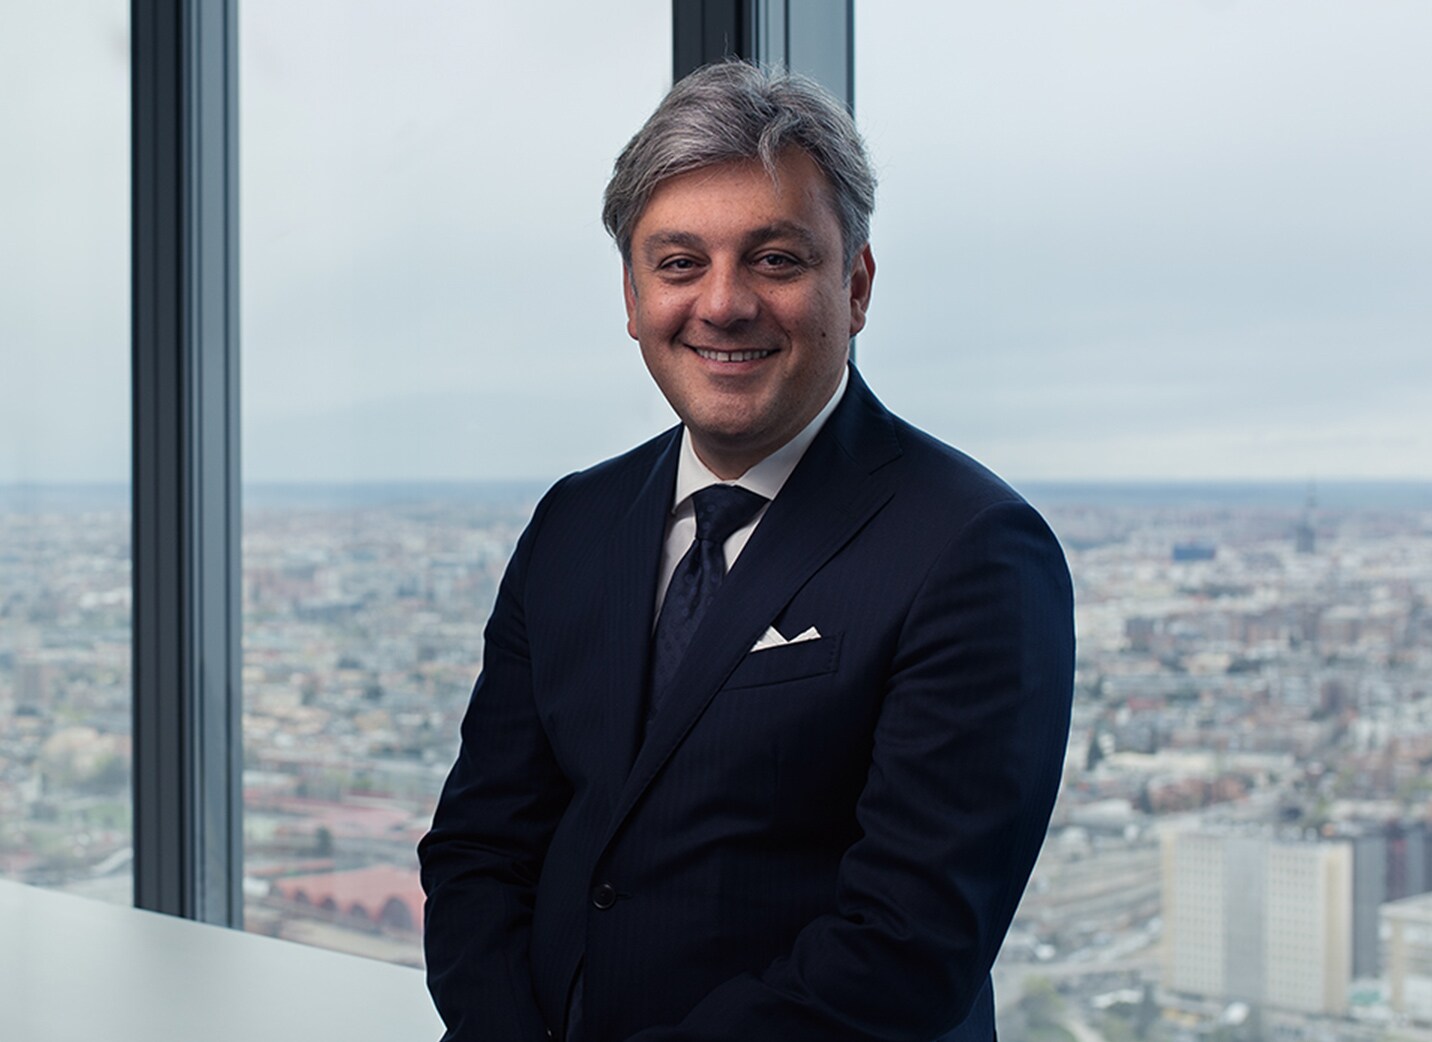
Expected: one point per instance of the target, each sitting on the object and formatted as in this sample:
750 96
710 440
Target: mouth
731 356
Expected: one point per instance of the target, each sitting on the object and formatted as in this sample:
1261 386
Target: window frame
187 765
186 477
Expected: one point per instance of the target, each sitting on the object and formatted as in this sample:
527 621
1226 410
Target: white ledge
72 968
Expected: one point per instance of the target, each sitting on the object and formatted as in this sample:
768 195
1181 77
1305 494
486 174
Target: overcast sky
1114 239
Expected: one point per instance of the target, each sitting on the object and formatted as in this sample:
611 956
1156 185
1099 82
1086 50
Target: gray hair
735 110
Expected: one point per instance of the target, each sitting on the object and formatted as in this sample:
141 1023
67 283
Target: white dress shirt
765 478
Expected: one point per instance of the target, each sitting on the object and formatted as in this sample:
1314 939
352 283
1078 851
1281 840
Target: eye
677 266
776 262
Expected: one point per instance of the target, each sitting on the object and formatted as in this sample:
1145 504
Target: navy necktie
720 510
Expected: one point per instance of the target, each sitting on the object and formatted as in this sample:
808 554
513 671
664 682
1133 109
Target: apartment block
1407 955
1259 919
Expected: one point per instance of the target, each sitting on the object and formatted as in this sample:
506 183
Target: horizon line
1306 483
1313 482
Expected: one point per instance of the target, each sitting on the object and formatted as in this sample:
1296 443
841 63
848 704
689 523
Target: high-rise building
1308 932
1212 915
1261 920
1409 859
1195 919
1389 862
1407 955
1305 535
1370 871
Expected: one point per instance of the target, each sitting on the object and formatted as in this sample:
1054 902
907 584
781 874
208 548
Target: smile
731 356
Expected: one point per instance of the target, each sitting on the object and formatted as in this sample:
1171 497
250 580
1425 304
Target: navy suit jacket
819 841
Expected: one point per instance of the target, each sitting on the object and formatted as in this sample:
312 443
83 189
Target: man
798 800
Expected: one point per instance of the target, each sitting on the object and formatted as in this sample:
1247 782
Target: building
1389 862
1308 926
1256 919
1407 954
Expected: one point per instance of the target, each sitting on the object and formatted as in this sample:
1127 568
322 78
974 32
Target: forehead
742 192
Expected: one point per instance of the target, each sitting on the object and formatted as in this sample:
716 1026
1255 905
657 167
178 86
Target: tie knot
721 509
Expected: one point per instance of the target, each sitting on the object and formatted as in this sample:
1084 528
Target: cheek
656 316
659 363
821 316
639 322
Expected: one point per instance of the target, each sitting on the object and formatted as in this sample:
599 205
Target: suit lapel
635 550
833 492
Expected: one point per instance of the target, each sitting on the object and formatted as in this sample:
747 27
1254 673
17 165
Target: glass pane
1181 254
64 448
433 331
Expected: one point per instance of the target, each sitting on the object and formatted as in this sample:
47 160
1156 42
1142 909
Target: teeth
732 356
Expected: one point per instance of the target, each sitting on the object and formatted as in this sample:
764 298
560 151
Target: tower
1305 536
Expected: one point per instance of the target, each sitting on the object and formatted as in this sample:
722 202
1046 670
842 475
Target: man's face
737 295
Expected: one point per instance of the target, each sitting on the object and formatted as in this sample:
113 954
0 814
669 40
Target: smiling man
773 707
739 292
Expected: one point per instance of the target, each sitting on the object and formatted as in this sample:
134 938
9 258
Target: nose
727 297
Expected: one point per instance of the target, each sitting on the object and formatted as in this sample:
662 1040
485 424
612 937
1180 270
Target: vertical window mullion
185 460
814 37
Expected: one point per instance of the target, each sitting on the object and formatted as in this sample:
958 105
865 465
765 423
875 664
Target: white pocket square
772 638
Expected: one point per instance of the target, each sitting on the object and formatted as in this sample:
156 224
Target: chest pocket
807 658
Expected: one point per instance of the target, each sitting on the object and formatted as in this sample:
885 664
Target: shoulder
935 480
886 447
600 498
633 465
946 473
966 507
936 491
615 482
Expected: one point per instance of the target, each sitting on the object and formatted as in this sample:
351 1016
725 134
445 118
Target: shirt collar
768 476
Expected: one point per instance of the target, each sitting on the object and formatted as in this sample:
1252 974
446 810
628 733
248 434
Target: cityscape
1242 848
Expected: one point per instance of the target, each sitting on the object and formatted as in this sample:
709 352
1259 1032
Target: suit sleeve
967 756
494 820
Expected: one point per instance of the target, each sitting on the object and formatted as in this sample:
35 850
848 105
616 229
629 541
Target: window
1164 267
64 449
433 331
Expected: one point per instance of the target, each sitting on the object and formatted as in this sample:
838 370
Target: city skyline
1274 684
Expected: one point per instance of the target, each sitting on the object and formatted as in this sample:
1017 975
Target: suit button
604 895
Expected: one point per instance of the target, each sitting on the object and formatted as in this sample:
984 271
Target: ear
629 296
862 277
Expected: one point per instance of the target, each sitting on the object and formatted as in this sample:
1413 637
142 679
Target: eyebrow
775 230
656 240
783 229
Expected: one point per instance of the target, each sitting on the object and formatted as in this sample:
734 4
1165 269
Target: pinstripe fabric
822 841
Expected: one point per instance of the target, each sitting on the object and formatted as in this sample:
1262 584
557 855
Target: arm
965 766
481 861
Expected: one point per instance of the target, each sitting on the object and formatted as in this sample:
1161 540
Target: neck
725 467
